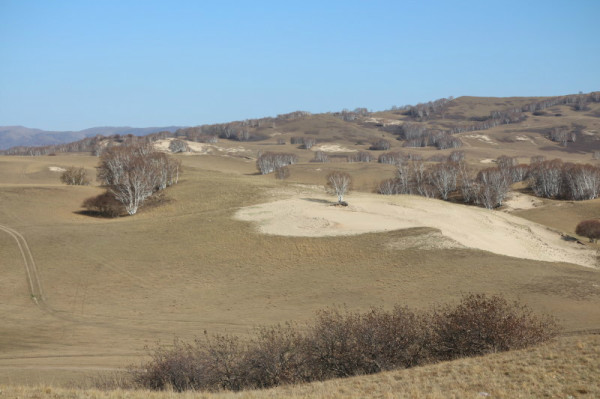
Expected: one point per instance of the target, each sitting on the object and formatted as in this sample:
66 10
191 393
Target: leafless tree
339 183
546 178
562 135
133 173
493 186
269 161
380 145
456 156
309 142
443 177
75 176
321 156
178 146
361 156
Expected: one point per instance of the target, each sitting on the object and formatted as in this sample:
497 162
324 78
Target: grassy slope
117 285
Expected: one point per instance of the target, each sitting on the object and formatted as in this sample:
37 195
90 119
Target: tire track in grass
33 279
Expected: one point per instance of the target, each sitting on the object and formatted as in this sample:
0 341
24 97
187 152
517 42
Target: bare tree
493 186
339 183
309 142
269 161
178 146
321 156
75 176
361 156
443 177
380 145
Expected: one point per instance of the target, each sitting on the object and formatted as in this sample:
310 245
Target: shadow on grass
320 201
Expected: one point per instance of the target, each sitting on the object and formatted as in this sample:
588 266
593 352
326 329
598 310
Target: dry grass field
114 286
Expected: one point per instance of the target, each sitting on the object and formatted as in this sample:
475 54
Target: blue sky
69 65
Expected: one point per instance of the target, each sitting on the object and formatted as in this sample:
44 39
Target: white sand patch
383 121
516 201
162 145
488 160
589 132
312 215
56 169
332 148
481 137
199 148
525 138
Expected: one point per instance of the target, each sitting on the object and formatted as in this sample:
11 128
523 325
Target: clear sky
70 65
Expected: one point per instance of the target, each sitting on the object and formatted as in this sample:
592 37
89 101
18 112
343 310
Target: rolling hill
229 249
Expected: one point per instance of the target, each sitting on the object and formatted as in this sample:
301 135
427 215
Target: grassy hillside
113 286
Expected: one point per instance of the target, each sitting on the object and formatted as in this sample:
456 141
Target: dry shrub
341 344
74 176
480 325
281 173
589 228
105 205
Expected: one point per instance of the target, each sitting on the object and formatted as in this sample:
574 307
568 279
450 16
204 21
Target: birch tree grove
133 173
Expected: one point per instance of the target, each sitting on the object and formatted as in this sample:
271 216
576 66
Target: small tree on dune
339 183
589 229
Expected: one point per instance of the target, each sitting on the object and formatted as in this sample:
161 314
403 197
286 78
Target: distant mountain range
12 136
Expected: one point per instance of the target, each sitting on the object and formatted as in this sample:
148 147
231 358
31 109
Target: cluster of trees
350 116
488 188
340 344
559 180
418 135
361 156
549 179
270 161
380 145
430 109
396 157
131 174
562 135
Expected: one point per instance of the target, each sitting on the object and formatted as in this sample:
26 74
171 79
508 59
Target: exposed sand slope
312 215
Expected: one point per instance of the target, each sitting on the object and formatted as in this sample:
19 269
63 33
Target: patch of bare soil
311 214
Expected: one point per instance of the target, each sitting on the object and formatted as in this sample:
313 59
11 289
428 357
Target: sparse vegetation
74 176
343 344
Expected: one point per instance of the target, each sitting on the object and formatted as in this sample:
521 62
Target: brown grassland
114 286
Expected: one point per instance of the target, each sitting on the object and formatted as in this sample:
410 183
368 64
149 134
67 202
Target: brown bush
480 325
74 176
589 229
104 205
341 343
281 173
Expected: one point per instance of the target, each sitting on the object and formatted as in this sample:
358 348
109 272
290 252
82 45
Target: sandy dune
312 214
